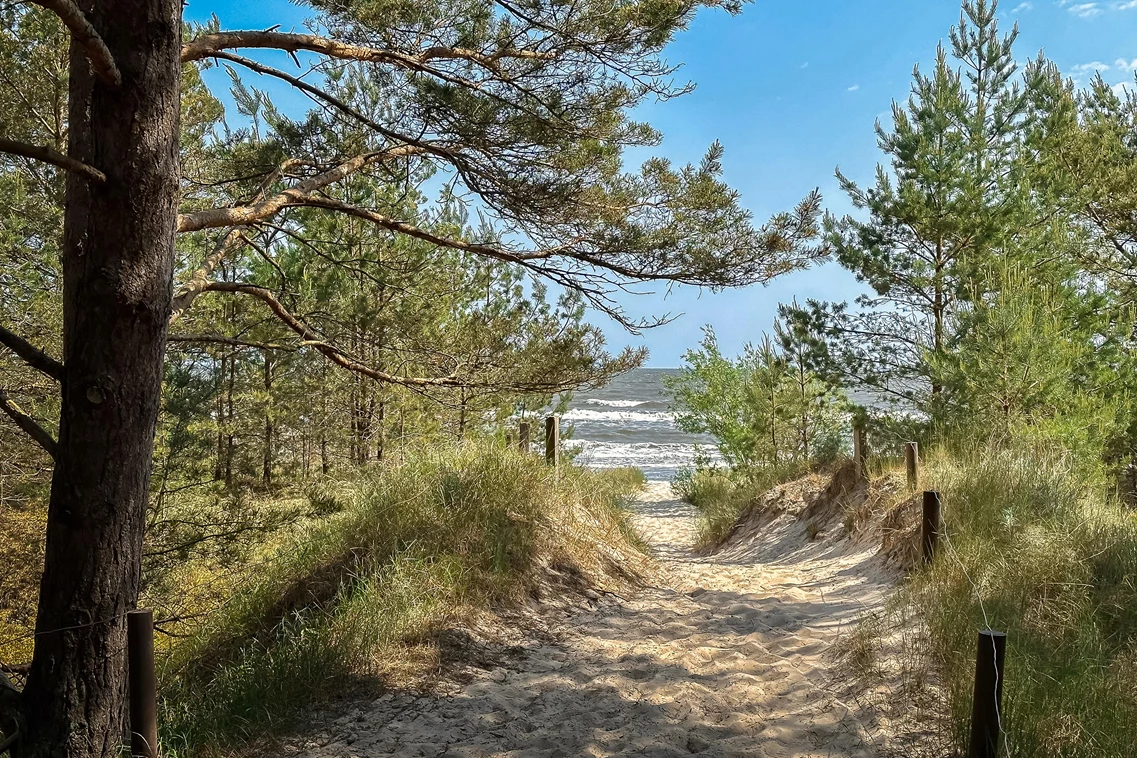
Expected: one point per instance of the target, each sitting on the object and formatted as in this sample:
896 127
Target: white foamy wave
612 417
618 403
646 455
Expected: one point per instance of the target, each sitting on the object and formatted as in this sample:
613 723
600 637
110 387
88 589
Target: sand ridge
729 654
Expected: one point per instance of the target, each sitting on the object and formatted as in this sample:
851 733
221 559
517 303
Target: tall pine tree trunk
938 311
381 432
353 432
231 420
266 471
324 421
219 463
803 385
117 265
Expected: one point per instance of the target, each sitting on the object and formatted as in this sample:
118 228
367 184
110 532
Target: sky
792 90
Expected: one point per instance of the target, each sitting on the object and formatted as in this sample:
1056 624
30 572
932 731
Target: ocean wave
618 403
610 417
641 454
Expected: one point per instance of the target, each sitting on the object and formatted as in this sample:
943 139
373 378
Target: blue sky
792 89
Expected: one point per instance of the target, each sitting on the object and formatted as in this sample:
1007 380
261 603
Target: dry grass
406 553
860 650
1037 546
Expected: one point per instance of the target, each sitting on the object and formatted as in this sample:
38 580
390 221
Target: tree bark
381 433
266 471
219 464
938 310
353 431
462 415
324 419
230 423
117 266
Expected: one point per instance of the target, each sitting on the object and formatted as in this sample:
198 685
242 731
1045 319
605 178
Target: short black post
553 440
930 530
523 436
986 709
860 453
912 462
142 684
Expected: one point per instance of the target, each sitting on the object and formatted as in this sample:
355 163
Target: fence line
986 716
986 727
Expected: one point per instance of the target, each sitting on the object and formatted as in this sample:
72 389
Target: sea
631 423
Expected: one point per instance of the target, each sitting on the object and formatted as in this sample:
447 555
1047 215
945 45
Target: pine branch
247 215
341 358
47 155
336 103
207 44
199 280
314 339
231 341
29 426
402 227
189 291
31 355
86 37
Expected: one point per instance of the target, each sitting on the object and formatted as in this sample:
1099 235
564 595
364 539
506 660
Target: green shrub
407 550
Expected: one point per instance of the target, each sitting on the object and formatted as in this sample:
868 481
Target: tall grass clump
1037 547
406 551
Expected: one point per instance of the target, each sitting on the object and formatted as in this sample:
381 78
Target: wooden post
142 684
912 462
930 529
523 436
986 708
553 440
860 453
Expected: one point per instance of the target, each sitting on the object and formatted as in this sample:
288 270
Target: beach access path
726 654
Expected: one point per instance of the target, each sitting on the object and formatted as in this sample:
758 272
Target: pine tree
947 204
524 109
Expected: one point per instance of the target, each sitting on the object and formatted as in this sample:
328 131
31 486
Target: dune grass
402 553
720 496
1037 547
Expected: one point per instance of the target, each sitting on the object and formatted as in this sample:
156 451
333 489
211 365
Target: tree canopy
430 231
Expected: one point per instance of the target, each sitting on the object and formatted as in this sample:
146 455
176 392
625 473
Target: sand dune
729 654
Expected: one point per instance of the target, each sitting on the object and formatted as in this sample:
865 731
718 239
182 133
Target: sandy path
730 658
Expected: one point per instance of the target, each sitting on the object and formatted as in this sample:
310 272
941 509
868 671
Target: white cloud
1125 65
854 88
1083 73
1088 10
1085 10
1027 6
805 65
1085 68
